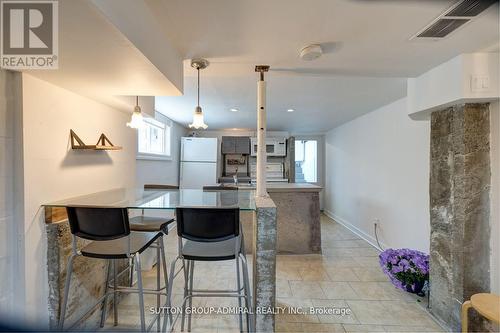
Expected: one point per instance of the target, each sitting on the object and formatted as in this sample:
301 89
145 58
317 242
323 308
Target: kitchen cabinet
235 145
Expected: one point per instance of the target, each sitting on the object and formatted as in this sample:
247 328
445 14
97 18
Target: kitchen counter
298 212
284 187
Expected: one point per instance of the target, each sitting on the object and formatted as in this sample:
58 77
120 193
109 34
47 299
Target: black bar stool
211 234
144 223
109 231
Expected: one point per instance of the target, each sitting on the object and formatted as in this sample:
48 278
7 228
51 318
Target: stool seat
119 248
209 251
148 223
488 305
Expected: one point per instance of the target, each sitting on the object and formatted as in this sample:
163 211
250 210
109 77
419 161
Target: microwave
274 146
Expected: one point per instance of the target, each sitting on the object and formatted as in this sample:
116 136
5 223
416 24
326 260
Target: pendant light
198 121
136 121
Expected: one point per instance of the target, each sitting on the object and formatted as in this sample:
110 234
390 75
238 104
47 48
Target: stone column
459 207
264 264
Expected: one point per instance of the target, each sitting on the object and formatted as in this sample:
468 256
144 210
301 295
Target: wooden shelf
102 144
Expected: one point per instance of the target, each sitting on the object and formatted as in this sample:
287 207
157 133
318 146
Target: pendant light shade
137 120
198 121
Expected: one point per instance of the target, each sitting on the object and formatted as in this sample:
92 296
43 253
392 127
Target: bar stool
211 234
111 239
144 223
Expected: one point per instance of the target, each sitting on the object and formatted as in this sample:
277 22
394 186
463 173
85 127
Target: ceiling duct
453 18
470 8
442 28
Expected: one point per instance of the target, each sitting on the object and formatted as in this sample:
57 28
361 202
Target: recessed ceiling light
290 110
233 110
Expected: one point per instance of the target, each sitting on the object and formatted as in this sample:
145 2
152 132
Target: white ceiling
368 55
100 58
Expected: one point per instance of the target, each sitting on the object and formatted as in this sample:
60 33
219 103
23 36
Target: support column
460 182
261 132
264 264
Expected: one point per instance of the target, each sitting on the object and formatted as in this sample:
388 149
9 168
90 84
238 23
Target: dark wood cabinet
235 145
228 144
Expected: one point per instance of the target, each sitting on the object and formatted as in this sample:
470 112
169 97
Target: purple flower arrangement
407 269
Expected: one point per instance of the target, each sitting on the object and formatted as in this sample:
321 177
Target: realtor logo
29 33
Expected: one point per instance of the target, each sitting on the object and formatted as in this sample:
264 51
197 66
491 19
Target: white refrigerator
198 162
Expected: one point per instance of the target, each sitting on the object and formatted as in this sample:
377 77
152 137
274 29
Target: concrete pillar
460 210
264 264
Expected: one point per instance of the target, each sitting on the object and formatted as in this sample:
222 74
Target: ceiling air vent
442 28
453 18
470 8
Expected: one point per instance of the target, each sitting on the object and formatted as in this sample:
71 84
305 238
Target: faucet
235 177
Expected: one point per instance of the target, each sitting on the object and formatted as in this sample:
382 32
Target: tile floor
345 278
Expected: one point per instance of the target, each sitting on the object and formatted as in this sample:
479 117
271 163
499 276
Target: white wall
377 167
495 197
451 83
53 171
162 171
9 269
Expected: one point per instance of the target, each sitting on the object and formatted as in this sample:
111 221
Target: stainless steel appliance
274 146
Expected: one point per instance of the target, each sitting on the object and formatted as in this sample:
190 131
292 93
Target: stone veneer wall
87 283
460 208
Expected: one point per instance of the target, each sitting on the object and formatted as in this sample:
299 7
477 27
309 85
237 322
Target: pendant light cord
198 86
136 100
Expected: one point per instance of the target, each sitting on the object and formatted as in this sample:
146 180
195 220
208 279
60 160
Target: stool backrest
208 224
98 223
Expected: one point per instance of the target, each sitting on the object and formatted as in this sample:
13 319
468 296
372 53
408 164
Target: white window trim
157 157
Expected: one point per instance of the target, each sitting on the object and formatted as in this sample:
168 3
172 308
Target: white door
195 175
199 149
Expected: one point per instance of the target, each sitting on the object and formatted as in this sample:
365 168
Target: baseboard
368 238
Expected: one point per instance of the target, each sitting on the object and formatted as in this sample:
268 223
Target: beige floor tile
341 274
288 273
363 328
410 329
338 290
283 288
370 274
306 289
323 328
338 311
342 262
372 291
313 274
369 262
295 310
373 312
289 327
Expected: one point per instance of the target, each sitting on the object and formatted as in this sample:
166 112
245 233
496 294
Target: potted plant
408 269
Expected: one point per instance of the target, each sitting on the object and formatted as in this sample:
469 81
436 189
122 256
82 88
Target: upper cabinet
235 145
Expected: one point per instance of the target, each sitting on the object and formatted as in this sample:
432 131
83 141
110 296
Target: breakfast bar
89 277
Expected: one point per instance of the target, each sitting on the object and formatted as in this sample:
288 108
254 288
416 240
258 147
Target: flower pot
416 288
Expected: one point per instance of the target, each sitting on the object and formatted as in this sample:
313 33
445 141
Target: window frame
167 141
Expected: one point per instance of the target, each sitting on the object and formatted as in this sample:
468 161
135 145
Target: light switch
480 83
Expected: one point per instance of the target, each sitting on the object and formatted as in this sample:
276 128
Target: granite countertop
284 187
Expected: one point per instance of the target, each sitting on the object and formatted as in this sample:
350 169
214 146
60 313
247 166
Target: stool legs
158 263
191 277
465 318
137 258
69 271
238 287
106 287
115 296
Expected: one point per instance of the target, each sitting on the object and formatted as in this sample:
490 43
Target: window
154 139
306 161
